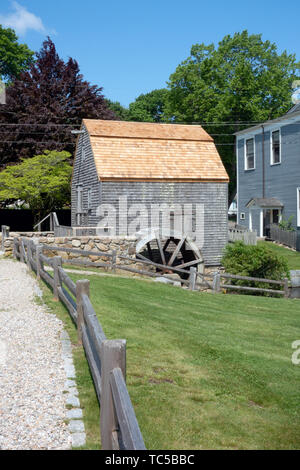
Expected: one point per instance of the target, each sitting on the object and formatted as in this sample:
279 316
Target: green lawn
204 371
292 257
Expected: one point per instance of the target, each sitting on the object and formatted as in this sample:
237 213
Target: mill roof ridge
132 151
146 130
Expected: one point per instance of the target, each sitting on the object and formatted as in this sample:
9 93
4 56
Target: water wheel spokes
161 251
176 251
167 253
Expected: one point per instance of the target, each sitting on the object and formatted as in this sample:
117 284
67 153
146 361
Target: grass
292 257
204 371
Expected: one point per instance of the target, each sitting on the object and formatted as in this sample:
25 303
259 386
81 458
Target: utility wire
33 143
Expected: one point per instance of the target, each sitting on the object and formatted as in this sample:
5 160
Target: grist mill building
152 164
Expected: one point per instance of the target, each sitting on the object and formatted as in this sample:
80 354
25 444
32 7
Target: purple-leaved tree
44 104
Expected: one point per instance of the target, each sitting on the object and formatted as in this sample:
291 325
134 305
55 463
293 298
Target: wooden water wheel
165 252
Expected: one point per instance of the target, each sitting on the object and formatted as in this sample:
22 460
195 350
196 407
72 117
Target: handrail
53 221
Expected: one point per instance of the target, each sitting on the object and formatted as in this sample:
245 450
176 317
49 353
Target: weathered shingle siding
281 181
213 196
85 173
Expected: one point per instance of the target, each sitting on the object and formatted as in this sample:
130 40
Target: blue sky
131 47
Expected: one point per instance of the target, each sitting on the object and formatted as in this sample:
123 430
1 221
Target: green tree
14 57
120 111
149 107
244 79
42 182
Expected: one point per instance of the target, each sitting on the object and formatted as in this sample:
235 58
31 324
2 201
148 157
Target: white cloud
21 20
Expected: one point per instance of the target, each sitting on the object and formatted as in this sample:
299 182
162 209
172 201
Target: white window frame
242 216
298 207
245 154
271 147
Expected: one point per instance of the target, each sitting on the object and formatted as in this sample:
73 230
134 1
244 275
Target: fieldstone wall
124 246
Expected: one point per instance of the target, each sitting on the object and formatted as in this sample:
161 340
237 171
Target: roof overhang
165 180
264 203
295 116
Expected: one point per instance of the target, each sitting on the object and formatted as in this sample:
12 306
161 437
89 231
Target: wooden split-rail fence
106 358
192 280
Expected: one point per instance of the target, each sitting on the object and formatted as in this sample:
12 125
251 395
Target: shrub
287 224
254 261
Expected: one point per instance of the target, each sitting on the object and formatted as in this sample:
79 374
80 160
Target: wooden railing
106 358
194 279
286 237
246 236
67 231
218 286
53 222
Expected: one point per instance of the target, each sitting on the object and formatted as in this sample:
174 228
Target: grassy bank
204 371
292 257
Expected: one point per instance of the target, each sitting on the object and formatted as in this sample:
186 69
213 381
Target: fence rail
285 237
53 222
218 286
106 358
112 264
192 280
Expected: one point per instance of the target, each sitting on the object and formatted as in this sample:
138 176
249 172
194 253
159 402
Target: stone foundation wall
124 246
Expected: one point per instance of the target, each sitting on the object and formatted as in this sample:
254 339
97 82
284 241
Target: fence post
28 254
216 286
15 248
82 287
57 261
39 264
21 251
32 248
286 288
113 354
192 278
114 261
5 234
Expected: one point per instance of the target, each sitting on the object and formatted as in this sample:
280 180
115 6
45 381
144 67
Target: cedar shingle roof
155 152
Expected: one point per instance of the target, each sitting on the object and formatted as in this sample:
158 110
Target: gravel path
32 375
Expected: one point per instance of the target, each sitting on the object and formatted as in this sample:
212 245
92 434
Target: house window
275 216
242 216
250 157
275 148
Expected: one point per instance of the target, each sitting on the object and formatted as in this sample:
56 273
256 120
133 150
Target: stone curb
76 425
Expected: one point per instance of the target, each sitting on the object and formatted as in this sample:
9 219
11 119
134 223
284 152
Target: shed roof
156 152
266 202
